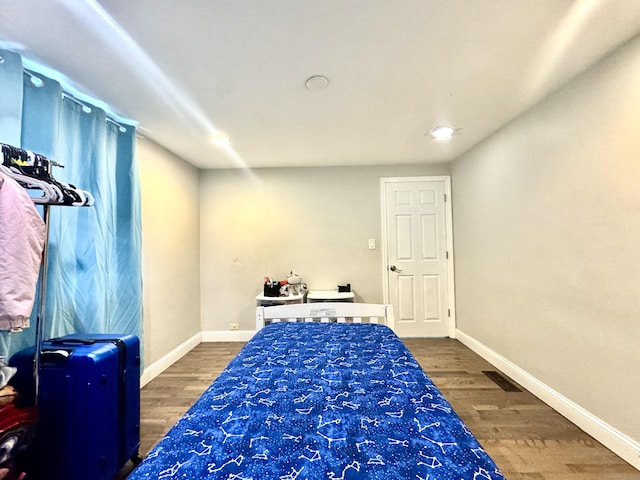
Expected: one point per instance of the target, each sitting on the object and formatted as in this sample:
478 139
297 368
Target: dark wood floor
527 439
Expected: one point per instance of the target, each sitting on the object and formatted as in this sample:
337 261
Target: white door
417 255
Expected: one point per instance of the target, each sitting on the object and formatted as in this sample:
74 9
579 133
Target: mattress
320 401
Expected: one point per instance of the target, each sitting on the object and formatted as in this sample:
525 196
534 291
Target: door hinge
445 198
449 312
447 255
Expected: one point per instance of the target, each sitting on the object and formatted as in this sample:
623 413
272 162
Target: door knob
393 268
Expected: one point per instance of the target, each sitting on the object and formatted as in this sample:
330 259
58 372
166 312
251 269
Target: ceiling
186 70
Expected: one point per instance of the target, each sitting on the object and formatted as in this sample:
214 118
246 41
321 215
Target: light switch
372 244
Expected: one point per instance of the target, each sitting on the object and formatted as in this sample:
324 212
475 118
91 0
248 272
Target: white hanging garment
22 237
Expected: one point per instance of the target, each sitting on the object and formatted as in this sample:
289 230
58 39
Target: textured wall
170 250
269 221
547 241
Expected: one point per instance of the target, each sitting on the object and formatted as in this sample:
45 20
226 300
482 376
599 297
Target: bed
322 391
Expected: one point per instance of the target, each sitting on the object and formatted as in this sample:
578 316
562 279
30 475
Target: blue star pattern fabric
307 401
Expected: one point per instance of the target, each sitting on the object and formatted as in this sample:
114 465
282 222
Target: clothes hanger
33 171
50 193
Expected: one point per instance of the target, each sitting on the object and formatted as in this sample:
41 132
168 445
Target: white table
263 300
329 296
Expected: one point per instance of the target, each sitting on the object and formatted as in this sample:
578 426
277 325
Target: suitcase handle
72 341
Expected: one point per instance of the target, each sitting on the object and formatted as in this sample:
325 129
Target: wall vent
503 382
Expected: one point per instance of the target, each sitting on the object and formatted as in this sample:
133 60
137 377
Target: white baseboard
159 366
227 335
616 441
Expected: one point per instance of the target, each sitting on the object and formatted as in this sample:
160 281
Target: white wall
268 221
547 241
170 250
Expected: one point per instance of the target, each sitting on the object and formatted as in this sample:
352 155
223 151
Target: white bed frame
326 312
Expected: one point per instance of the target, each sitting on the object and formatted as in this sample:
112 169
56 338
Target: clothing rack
41 303
33 172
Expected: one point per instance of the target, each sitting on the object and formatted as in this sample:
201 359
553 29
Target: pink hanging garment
22 237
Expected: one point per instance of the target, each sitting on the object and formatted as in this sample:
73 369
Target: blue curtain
94 283
10 97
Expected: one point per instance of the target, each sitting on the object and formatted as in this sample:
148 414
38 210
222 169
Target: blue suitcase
89 402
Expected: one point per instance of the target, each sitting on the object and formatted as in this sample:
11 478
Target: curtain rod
87 109
37 81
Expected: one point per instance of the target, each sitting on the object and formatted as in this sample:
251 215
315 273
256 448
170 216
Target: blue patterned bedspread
311 401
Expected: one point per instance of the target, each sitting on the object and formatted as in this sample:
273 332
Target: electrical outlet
235 326
372 244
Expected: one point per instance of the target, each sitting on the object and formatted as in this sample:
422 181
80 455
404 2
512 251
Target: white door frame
449 234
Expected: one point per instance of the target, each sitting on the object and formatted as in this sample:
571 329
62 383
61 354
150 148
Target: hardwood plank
526 438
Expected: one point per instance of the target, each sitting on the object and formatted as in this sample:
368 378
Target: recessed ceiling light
221 140
317 82
442 132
